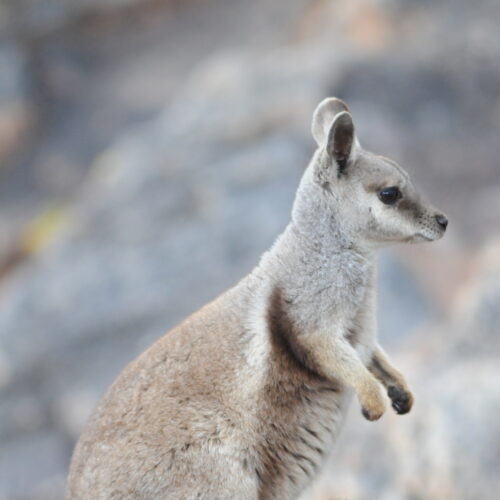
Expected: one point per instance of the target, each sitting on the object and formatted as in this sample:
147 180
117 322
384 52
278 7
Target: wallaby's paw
402 399
369 415
373 407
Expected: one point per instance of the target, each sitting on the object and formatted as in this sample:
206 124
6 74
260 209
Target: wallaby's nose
442 220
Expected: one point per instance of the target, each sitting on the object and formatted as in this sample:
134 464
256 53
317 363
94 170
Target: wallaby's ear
333 128
323 117
341 138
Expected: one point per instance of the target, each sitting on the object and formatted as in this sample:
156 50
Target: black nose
441 220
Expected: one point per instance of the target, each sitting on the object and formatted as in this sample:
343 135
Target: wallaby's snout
429 224
442 221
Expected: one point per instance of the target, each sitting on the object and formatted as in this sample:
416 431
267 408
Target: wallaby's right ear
333 129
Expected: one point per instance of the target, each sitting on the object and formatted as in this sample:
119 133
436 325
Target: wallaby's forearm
333 357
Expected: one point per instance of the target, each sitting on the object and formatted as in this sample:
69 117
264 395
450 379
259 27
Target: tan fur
245 398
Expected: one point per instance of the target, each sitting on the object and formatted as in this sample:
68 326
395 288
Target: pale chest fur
331 292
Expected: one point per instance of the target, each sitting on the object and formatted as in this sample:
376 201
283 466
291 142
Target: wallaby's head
369 196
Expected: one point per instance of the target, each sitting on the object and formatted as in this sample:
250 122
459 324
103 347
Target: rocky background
149 152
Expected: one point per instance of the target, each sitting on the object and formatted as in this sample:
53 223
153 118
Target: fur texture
245 398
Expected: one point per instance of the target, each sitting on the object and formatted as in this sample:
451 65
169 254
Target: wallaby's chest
329 288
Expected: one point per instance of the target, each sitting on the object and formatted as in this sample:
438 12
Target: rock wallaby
244 399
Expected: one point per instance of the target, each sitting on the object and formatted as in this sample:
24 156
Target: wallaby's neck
317 259
318 225
317 218
302 256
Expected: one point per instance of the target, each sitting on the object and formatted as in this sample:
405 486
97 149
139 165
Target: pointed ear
323 117
333 129
341 139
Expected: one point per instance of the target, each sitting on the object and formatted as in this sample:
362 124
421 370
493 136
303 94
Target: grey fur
245 398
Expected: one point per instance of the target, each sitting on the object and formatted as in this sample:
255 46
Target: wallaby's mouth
420 237
434 236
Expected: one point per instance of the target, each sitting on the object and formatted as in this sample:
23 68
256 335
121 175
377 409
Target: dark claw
401 400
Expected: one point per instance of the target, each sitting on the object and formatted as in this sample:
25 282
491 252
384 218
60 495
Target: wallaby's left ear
333 129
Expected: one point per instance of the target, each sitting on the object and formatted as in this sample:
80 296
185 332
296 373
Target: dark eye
389 195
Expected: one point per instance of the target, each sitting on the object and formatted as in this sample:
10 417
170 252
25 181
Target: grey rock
33 465
17 112
35 17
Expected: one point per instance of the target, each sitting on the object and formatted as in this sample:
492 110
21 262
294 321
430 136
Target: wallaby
244 399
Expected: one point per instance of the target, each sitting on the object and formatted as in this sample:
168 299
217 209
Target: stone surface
17 112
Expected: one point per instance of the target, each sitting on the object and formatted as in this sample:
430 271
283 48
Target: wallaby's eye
389 195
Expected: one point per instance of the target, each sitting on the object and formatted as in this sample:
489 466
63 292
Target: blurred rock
476 308
30 463
403 306
35 17
17 113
